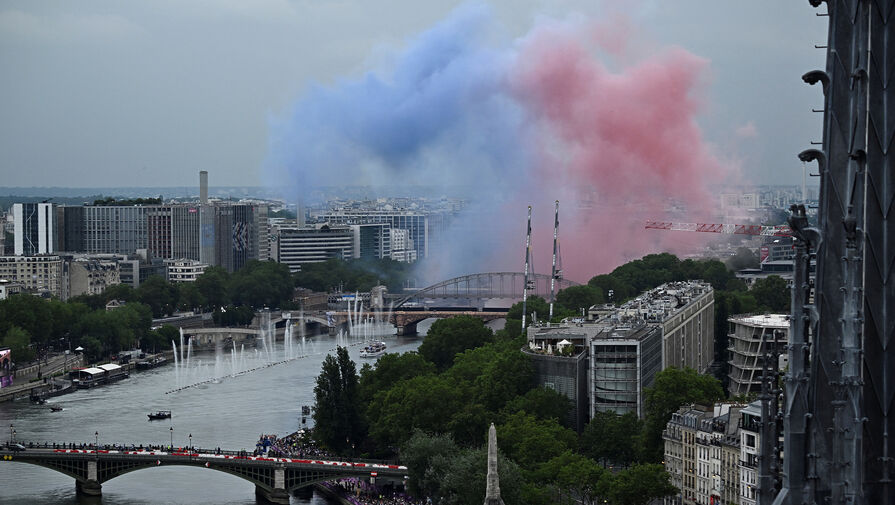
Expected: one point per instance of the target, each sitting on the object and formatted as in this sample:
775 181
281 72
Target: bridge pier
278 494
88 488
407 329
91 486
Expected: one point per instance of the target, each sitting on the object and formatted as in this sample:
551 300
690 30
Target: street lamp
172 437
96 435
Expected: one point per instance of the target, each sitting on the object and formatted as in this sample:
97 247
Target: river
231 414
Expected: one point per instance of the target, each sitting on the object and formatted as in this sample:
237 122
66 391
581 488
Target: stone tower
492 492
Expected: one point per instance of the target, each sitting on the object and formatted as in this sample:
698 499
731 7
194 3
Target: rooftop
779 321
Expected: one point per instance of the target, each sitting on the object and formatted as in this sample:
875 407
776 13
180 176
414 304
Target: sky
278 92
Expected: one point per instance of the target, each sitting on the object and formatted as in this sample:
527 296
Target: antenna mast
527 260
555 274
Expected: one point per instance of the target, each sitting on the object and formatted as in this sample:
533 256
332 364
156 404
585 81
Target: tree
464 477
93 348
530 441
189 297
261 284
575 298
212 285
543 403
772 294
390 369
535 306
671 389
640 485
159 294
612 438
19 342
576 476
159 339
449 337
417 454
420 402
337 420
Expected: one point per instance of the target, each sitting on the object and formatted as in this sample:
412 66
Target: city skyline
108 94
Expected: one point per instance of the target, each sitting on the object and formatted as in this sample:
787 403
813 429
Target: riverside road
230 412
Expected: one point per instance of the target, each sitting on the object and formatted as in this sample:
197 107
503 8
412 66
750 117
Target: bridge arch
274 479
487 285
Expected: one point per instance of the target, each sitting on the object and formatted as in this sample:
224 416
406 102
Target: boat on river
373 350
146 364
161 414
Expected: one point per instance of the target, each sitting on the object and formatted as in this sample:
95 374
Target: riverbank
54 382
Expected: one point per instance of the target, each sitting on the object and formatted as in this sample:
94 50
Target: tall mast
527 260
554 274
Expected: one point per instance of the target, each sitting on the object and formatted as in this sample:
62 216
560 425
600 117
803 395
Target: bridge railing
184 448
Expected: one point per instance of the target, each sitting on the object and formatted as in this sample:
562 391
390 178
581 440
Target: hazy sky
147 93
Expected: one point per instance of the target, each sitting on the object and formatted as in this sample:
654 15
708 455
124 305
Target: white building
703 454
299 245
402 247
750 440
184 270
750 336
34 228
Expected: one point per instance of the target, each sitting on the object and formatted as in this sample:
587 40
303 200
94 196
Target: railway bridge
274 478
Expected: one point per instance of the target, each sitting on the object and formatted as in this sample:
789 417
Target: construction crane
732 229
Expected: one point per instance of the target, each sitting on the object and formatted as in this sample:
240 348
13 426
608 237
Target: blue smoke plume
439 117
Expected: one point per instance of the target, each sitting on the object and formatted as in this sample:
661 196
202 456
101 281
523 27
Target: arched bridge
274 478
493 285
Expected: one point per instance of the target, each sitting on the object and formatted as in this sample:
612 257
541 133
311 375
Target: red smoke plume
631 147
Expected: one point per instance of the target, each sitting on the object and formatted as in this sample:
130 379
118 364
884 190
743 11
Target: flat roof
109 367
762 320
92 370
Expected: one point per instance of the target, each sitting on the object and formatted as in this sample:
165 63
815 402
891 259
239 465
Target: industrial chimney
203 187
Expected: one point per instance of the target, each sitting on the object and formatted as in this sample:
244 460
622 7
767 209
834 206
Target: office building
749 338
562 367
173 231
624 359
34 228
296 246
110 229
402 246
415 222
685 312
70 228
373 240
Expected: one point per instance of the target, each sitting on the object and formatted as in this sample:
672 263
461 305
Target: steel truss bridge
274 478
478 287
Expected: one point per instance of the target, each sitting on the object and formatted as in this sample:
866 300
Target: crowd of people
361 492
296 445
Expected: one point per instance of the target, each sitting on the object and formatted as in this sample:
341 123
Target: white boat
373 350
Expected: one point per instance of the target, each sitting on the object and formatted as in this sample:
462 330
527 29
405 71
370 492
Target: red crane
733 229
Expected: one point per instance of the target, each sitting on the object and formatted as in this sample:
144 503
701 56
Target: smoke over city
556 114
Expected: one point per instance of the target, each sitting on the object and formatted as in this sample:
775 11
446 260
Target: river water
230 413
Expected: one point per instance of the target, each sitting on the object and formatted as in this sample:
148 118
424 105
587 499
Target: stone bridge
274 478
406 320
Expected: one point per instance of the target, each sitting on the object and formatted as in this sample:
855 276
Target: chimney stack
203 187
